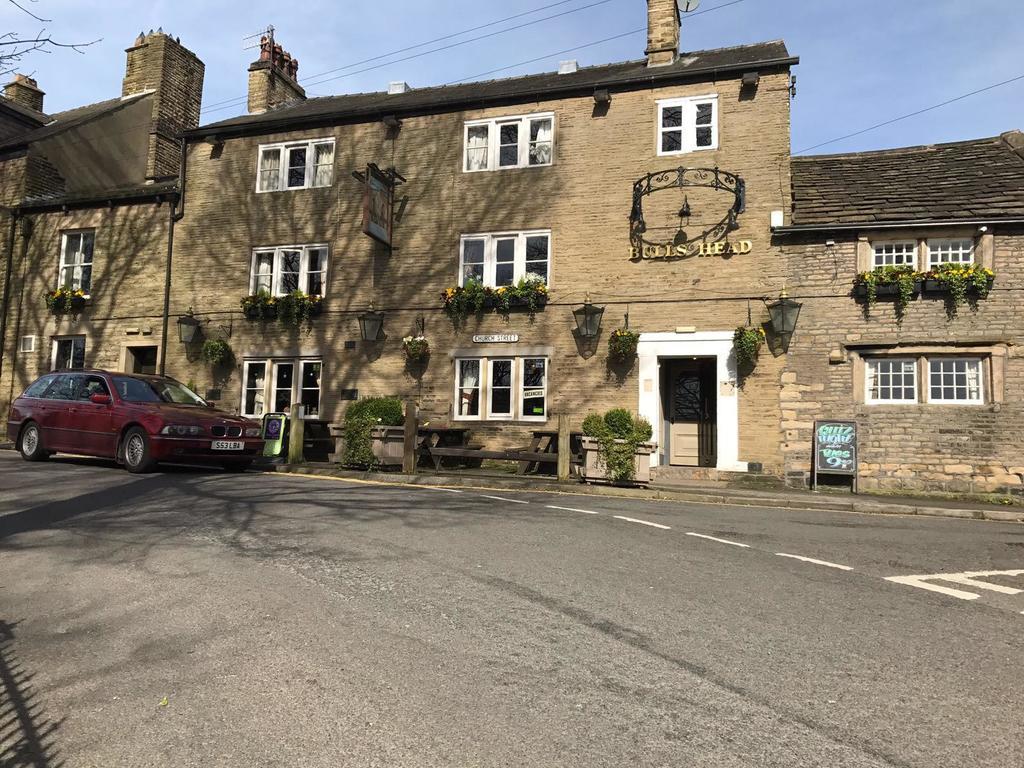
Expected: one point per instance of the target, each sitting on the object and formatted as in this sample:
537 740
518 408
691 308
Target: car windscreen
133 390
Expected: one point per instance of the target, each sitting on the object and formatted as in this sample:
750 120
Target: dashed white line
572 509
434 488
502 498
826 563
642 522
720 541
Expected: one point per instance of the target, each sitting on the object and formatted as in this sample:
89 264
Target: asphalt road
194 618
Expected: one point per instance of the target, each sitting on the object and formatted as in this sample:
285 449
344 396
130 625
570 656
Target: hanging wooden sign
378 204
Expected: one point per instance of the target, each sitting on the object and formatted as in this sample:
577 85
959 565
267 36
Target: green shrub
620 422
619 436
217 352
360 418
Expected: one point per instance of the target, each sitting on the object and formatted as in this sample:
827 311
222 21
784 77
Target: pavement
200 618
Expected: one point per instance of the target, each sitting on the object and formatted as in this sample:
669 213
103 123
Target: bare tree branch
14 48
20 7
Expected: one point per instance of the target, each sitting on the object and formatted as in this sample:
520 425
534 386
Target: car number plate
227 445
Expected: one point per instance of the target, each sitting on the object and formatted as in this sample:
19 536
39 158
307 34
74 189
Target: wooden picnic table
442 437
546 441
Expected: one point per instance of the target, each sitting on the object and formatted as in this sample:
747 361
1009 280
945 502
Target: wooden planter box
388 445
592 470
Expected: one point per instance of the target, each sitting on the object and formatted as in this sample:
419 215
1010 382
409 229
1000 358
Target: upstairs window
687 125
505 259
76 260
903 254
959 251
509 142
279 271
295 165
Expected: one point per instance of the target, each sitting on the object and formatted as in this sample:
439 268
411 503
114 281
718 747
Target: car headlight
181 430
253 431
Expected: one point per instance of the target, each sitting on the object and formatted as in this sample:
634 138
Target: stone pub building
661 190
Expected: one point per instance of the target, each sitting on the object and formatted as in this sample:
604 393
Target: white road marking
826 563
642 522
502 498
918 581
572 509
434 488
968 578
720 541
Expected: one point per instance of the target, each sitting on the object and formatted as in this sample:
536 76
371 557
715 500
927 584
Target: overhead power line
217 106
884 123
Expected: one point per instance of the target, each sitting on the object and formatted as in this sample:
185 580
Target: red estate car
137 420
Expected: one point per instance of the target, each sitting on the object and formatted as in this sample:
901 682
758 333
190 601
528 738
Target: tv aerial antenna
267 33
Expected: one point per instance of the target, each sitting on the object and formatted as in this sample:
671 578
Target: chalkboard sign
835 448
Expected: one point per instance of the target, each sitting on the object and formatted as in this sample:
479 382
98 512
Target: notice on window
532 393
835 447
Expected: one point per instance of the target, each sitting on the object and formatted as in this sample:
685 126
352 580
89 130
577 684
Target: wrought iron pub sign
711 241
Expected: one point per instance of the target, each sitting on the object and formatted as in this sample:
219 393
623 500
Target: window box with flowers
295 308
902 283
962 282
66 301
475 298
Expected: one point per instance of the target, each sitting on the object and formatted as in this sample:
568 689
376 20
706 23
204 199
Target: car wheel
135 451
236 466
31 443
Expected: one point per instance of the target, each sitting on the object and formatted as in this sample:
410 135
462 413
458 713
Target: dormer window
295 165
509 142
687 125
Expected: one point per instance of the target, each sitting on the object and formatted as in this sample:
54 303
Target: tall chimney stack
160 64
662 32
25 91
273 78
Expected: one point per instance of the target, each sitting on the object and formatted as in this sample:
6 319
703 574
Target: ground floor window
946 379
289 381
501 388
69 353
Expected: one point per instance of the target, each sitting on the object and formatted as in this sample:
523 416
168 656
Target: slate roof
166 189
621 76
974 180
62 121
22 111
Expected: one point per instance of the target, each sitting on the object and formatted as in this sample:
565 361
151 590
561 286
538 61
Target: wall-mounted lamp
783 314
751 79
602 97
188 327
371 323
588 319
391 122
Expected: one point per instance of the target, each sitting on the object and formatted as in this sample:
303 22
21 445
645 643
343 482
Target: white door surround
716 344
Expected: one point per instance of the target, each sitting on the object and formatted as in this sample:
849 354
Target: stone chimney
273 78
662 32
160 64
25 91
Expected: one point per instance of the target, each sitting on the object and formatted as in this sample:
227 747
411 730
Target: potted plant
960 281
900 282
747 342
217 352
474 297
616 448
65 301
373 433
259 307
622 344
417 348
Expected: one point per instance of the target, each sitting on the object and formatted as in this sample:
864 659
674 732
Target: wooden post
564 454
296 434
409 447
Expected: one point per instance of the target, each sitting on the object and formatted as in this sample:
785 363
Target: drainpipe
8 279
177 212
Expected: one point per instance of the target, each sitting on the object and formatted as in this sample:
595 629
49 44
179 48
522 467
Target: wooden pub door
689 390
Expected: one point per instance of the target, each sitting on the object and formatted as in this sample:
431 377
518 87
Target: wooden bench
438 454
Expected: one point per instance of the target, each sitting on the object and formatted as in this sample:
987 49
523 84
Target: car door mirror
99 399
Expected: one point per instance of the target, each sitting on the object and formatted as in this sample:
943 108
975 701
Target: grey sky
862 61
